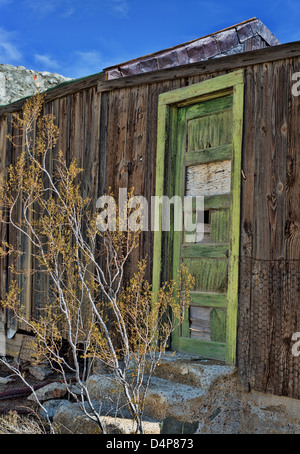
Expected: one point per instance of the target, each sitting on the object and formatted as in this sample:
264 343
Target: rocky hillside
17 82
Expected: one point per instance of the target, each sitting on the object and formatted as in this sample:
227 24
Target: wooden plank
251 111
159 192
269 368
178 190
126 103
103 118
11 156
149 169
112 139
145 163
199 323
290 131
208 349
136 150
217 201
26 262
232 291
40 280
90 162
206 97
215 250
259 352
195 91
209 107
289 114
211 299
280 365
214 154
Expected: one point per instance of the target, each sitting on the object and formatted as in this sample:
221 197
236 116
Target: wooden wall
131 145
269 299
110 127
78 117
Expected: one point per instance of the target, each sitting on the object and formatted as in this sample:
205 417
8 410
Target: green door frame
169 103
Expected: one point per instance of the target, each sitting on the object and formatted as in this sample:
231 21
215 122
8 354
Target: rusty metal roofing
248 35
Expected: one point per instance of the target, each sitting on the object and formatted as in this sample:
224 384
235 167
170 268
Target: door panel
210 274
209 131
219 226
218 324
204 168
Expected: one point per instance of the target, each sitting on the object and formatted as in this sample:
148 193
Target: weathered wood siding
78 117
269 300
111 129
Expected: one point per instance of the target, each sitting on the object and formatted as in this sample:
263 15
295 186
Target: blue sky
78 38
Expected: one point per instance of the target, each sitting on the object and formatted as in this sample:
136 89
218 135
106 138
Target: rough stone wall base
230 411
192 395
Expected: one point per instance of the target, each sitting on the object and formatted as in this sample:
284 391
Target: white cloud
85 63
9 52
82 64
66 8
45 7
68 12
119 7
47 62
90 57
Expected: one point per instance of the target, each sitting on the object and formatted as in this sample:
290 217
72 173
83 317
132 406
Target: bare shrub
126 326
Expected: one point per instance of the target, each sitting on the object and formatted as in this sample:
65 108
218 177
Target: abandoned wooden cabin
217 117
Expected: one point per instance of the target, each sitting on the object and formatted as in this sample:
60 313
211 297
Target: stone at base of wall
69 419
216 406
223 410
188 395
266 413
230 411
204 398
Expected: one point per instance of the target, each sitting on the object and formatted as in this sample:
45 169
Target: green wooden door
203 168
205 133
